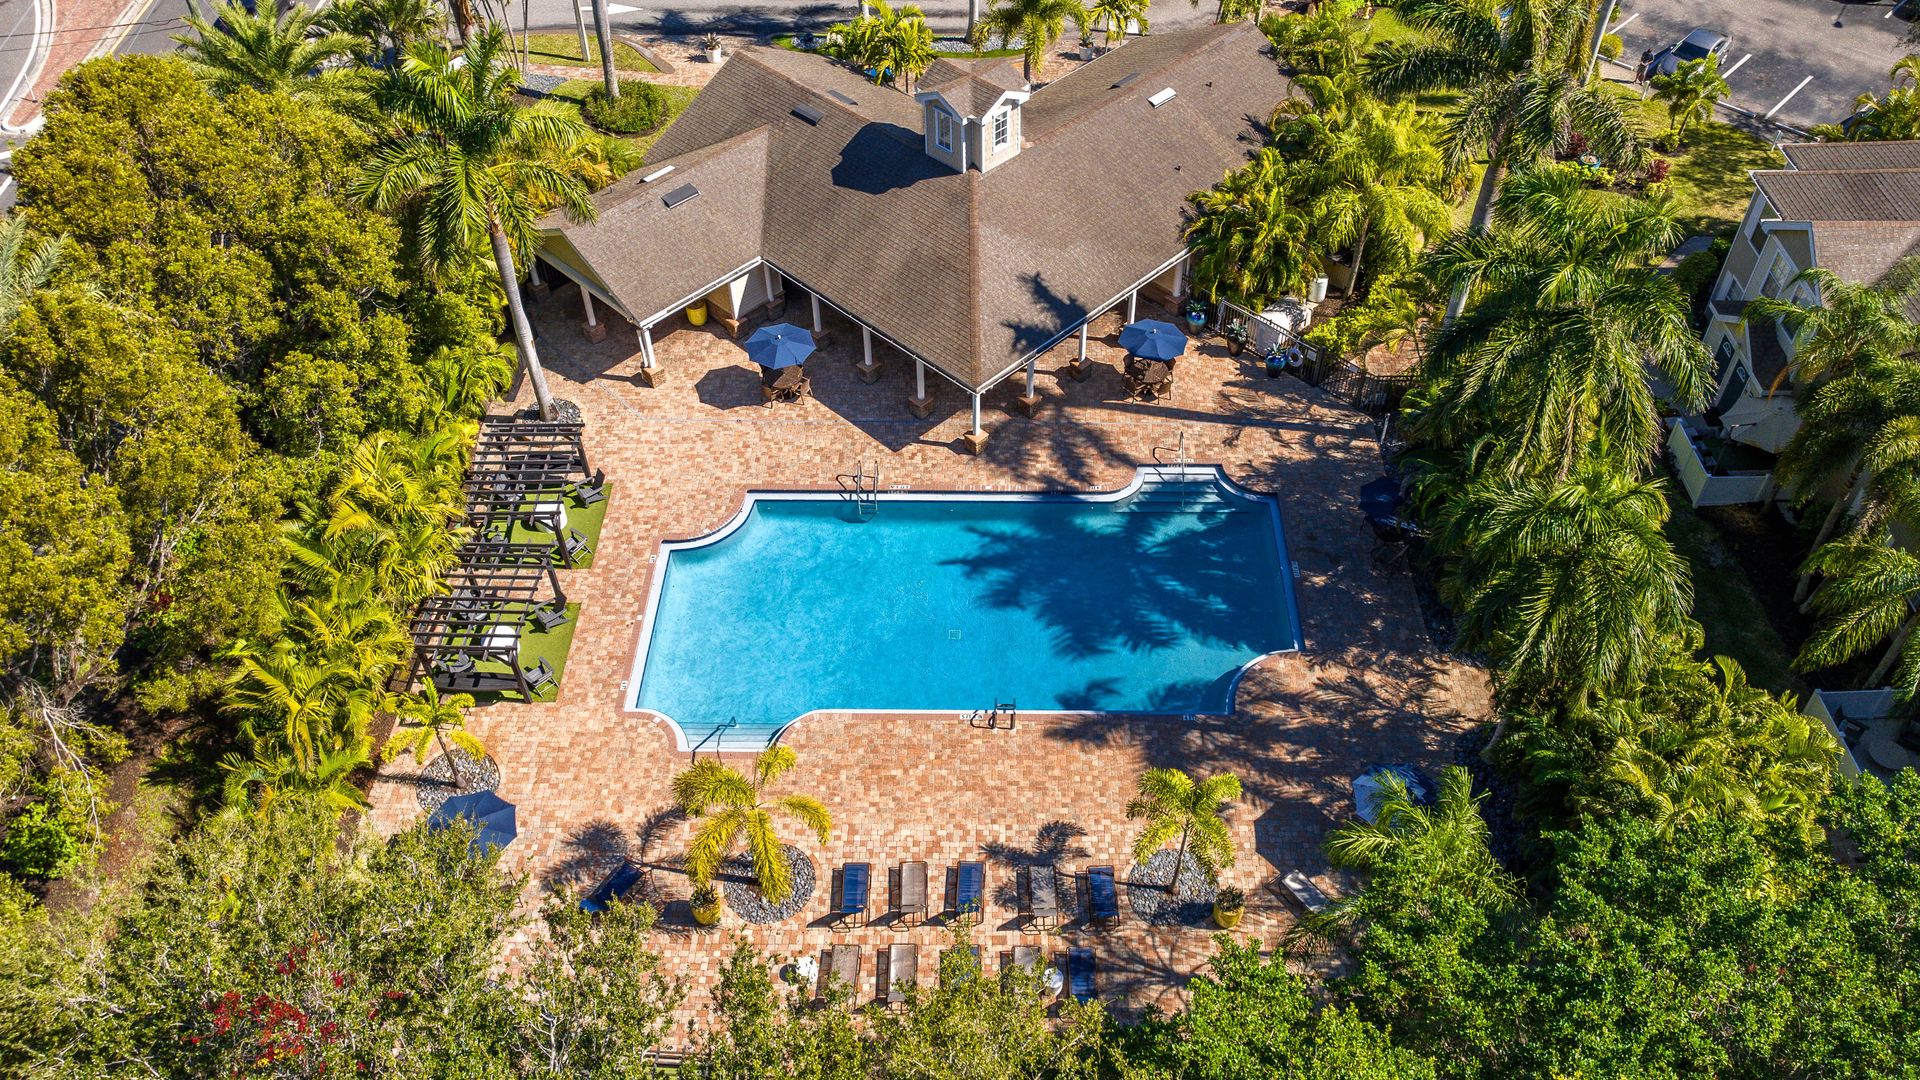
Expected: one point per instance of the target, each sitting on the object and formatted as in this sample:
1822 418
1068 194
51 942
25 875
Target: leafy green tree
755 1033
894 44
1891 116
1035 24
1252 235
466 162
594 1002
274 51
1690 93
1173 804
1523 88
730 804
1552 359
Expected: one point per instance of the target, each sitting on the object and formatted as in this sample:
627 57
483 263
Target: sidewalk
80 28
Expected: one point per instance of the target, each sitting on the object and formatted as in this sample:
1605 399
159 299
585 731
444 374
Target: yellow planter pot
697 313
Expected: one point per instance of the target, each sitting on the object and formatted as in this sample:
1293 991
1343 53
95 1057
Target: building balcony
1716 470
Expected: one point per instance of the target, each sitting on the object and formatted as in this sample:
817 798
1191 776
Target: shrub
38 846
1695 274
1611 46
638 111
1657 170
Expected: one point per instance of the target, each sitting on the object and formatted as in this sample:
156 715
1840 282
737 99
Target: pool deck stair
1176 490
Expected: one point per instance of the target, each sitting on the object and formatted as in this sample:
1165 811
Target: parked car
1700 42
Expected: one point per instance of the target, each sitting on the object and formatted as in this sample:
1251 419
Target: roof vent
1161 98
1124 80
679 195
808 113
656 174
840 97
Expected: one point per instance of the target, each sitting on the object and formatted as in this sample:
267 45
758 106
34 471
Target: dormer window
1000 129
942 129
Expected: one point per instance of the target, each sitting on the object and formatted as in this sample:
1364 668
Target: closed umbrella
1370 788
1380 500
779 345
491 816
1151 339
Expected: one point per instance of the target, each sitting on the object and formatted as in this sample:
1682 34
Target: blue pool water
1151 603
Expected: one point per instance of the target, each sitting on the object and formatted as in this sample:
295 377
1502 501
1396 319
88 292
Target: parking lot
1802 61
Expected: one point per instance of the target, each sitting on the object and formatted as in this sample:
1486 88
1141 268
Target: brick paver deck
591 780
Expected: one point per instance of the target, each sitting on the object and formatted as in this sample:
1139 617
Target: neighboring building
972 225
1852 208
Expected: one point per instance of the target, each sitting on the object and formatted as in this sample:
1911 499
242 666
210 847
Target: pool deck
591 779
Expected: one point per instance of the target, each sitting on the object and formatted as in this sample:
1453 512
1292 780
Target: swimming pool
1150 599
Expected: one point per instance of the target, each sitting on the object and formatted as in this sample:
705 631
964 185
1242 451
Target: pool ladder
863 490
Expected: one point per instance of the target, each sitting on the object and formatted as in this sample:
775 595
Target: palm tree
1116 15
730 804
1847 324
383 28
1172 804
1571 584
303 706
603 37
261 780
1326 43
272 52
1867 597
1443 846
1253 237
1690 92
1892 117
1523 85
463 379
892 43
1035 24
428 719
24 269
464 162
1552 359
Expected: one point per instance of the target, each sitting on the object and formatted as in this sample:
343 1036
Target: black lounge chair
616 887
1103 900
591 490
850 907
1080 974
970 881
539 676
548 616
574 546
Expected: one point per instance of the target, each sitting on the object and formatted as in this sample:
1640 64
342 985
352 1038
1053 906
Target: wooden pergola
453 634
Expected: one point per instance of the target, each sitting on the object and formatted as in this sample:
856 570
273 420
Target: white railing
1706 487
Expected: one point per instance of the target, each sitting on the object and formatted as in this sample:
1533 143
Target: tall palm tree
1252 236
1571 584
1329 42
1173 805
1866 597
24 268
1847 324
891 42
729 804
430 719
464 163
1035 24
1522 82
382 28
603 37
1116 15
1553 357
1690 93
1893 116
273 52
1444 845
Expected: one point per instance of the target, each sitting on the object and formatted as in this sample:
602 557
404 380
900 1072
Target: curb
41 46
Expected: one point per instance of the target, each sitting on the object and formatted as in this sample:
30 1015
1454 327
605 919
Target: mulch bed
1190 903
743 894
455 773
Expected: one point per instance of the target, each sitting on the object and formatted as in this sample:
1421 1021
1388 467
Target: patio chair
616 887
1305 892
1022 958
539 676
591 490
574 545
909 895
1042 900
1080 974
550 615
964 897
850 896
1103 900
901 970
842 963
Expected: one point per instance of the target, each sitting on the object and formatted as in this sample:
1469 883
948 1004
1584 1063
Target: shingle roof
1865 252
970 271
971 87
1842 195
1853 155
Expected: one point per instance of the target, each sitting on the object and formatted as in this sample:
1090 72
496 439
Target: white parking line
1615 28
1736 65
1789 97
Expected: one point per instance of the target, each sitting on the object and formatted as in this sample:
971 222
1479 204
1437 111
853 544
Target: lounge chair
593 489
539 676
548 616
901 970
616 887
1043 901
970 881
1103 900
850 896
1080 974
909 895
841 963
1305 892
574 546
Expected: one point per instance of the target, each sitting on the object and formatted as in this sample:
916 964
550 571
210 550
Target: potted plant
711 45
706 904
1228 905
1236 337
697 313
1196 315
1086 45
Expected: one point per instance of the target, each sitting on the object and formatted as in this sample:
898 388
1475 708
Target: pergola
453 634
504 437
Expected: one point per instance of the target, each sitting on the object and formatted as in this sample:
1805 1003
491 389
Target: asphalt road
153 34
947 17
1804 61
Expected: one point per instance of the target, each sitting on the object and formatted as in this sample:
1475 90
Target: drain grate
953 635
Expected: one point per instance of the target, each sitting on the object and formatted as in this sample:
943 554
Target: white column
533 271
816 311
920 378
1031 364
1180 278
976 414
866 345
766 281
646 346
587 299
1133 303
1083 340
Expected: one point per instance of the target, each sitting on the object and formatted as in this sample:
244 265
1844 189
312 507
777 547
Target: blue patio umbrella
491 816
1380 500
1151 339
1370 788
779 345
